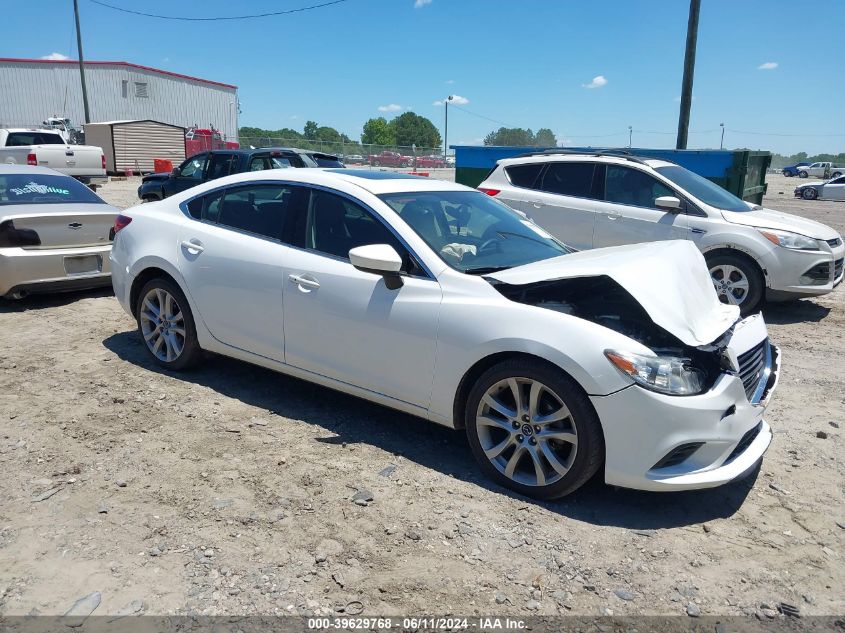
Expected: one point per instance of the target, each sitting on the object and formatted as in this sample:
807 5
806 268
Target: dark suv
218 163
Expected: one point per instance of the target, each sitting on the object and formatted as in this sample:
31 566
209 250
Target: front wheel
803 174
167 325
376 163
809 193
737 282
532 429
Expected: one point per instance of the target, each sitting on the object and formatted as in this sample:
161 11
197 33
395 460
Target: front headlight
664 374
790 240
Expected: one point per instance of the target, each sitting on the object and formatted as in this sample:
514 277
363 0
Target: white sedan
437 300
833 189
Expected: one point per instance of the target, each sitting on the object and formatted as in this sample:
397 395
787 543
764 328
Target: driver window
633 187
194 167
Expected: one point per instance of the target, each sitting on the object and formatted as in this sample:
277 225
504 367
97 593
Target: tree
412 129
328 134
378 132
545 138
515 136
310 129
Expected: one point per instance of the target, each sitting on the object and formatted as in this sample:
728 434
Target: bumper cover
51 270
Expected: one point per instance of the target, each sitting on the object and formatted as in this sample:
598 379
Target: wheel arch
741 253
152 272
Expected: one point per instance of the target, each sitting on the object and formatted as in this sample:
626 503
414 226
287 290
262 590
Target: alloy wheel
809 193
730 282
526 431
162 325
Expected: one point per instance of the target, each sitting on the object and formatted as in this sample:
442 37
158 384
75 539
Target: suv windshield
701 188
44 189
472 232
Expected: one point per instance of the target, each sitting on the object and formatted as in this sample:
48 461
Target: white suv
608 199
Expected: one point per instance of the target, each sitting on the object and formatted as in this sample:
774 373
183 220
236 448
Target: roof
127 121
619 159
6 168
15 60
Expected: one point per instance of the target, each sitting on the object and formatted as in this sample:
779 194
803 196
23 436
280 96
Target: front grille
751 368
677 455
819 272
834 242
837 268
744 442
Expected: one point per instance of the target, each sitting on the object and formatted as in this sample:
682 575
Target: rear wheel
532 429
167 325
786 173
376 163
836 174
737 281
808 193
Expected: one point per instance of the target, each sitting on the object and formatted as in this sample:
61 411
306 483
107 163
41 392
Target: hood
768 219
157 176
812 183
668 279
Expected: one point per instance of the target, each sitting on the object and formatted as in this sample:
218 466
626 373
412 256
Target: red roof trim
127 64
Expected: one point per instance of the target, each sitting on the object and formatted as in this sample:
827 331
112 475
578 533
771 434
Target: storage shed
134 145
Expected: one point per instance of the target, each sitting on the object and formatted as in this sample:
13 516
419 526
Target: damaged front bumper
660 442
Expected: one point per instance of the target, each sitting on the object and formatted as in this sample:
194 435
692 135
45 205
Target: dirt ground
229 490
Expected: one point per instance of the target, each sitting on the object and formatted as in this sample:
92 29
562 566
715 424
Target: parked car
450 161
325 160
354 159
47 148
212 165
431 162
833 189
418 294
821 170
55 233
792 170
390 159
601 199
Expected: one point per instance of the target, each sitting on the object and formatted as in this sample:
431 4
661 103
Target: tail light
103 160
490 192
10 236
31 160
120 223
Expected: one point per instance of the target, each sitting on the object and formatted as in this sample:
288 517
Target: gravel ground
229 490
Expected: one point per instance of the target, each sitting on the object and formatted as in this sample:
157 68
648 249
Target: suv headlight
790 240
665 374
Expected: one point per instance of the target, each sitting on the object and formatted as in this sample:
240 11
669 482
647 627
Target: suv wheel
167 325
808 193
533 430
737 281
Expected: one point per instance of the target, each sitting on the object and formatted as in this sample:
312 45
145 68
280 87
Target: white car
55 233
820 170
437 300
606 199
833 189
48 148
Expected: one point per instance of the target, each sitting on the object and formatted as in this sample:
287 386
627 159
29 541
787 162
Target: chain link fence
357 153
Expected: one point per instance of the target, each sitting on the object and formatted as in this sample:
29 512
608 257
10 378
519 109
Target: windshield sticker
34 187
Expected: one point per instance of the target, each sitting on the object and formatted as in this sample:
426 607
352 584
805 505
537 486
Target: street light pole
722 143
630 135
81 62
446 127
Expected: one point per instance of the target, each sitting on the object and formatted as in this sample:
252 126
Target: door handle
537 204
304 282
193 245
613 216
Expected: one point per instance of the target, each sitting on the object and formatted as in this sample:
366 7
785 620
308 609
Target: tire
404 163
836 174
731 269
803 174
808 193
489 430
786 173
376 163
173 356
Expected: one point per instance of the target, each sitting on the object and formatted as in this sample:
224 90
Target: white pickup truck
47 148
821 170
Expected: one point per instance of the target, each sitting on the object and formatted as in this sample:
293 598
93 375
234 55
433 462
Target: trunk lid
65 225
668 279
768 219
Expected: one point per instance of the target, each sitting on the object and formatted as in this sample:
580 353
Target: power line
480 116
233 17
779 134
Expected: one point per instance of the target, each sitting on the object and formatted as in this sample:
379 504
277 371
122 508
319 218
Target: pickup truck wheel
836 174
376 163
808 193
404 163
803 174
737 281
532 429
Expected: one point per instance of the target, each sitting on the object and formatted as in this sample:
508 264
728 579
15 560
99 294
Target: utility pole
446 127
689 71
722 143
630 135
81 62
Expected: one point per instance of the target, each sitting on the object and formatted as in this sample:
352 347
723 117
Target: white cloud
55 56
768 66
390 107
456 100
418 4
293 117
450 81
597 82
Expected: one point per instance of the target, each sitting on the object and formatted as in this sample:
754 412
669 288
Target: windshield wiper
485 270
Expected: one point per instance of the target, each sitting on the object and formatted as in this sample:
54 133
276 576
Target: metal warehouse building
33 89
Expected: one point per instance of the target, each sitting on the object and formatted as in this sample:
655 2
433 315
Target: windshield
701 188
44 189
472 232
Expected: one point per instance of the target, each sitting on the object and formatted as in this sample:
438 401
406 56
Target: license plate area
83 264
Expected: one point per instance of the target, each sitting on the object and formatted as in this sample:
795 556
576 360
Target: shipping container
136 145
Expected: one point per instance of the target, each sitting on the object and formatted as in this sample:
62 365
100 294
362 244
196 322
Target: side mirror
670 203
175 173
379 259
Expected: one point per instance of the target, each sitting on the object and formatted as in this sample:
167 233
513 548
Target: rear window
524 175
18 139
44 189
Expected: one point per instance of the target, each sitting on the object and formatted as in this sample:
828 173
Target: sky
770 70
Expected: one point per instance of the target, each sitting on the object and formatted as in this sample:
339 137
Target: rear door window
259 209
524 175
568 179
222 165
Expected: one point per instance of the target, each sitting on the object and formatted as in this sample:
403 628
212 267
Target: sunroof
374 175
